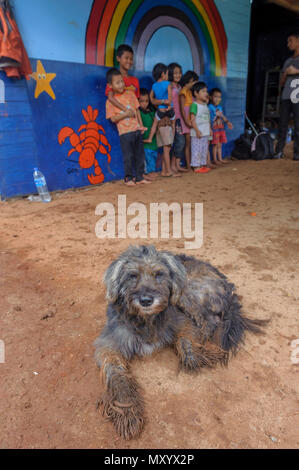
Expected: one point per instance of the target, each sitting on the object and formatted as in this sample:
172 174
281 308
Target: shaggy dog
159 299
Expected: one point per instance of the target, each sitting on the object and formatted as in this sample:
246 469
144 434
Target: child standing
160 96
129 128
150 149
185 98
178 149
201 128
218 119
125 57
161 92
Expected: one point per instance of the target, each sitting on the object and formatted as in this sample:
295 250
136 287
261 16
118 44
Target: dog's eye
159 274
132 277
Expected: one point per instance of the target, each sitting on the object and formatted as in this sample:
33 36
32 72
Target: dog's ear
111 279
177 273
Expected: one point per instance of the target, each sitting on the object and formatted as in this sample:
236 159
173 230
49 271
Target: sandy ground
53 305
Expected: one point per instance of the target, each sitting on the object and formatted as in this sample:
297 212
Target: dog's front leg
122 400
194 353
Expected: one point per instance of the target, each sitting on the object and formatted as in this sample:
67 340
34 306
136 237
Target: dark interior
270 27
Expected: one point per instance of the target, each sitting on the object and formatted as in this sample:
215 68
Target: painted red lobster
88 143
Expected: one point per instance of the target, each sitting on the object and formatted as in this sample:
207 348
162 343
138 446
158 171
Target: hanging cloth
13 56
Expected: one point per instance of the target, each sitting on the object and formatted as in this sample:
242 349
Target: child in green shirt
150 148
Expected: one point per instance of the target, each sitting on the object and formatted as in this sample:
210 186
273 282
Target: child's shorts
219 136
164 136
160 114
150 160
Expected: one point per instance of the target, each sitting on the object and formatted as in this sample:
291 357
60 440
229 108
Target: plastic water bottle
41 185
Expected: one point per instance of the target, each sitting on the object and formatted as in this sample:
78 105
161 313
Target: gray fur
158 299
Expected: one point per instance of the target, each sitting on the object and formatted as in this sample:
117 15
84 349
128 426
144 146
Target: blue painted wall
29 127
53 29
236 18
170 38
18 150
235 15
54 32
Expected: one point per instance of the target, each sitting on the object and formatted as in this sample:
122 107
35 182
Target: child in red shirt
124 56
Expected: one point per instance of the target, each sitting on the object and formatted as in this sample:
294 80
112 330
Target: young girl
201 128
185 97
147 113
218 119
178 149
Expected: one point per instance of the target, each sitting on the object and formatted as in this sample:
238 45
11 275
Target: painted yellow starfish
43 80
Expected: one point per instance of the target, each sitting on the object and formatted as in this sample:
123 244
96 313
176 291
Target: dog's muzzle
146 300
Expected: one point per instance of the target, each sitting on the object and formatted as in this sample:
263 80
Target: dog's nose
146 300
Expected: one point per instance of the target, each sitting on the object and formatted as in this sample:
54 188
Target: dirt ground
53 306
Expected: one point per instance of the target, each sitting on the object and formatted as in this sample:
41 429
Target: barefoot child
164 121
129 128
185 97
201 128
218 119
147 113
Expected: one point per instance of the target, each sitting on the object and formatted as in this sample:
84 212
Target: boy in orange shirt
130 128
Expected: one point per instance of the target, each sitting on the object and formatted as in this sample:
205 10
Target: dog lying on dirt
158 299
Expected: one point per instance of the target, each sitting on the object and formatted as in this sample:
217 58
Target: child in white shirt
201 128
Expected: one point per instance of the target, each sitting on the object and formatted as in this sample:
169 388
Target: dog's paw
194 356
127 417
124 406
188 358
128 421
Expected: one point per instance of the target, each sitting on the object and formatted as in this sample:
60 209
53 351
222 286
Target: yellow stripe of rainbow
117 18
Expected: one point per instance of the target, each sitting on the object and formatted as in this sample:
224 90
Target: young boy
201 128
147 114
217 121
125 57
129 127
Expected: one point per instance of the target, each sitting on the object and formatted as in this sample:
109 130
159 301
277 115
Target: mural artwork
45 112
43 80
88 143
134 22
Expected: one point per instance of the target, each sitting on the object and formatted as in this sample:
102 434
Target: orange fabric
11 46
127 98
188 96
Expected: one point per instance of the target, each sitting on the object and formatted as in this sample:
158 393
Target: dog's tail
235 325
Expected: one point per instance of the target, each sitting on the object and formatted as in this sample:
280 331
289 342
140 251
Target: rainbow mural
114 22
